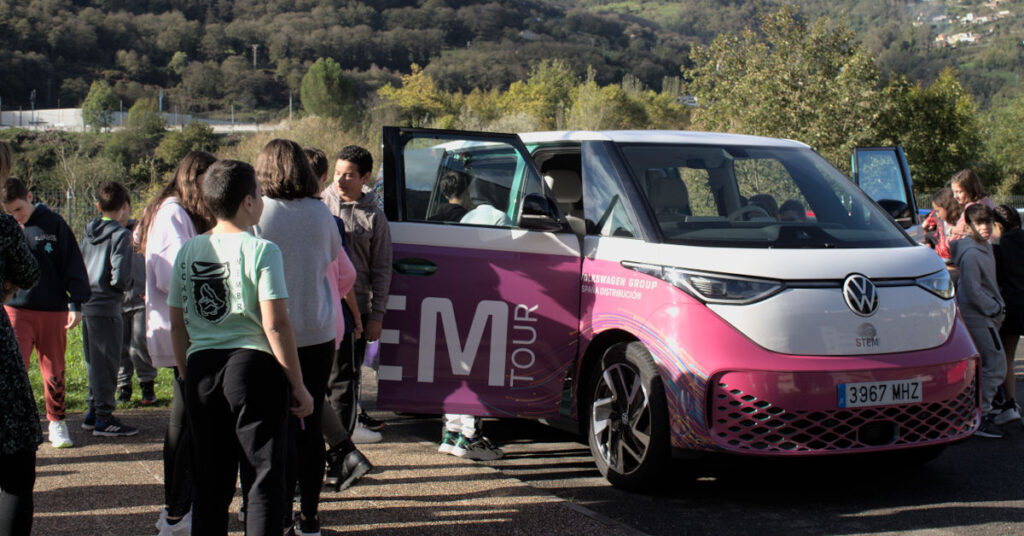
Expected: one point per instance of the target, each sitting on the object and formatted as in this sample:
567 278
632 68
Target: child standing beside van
982 307
1008 249
369 241
232 337
967 190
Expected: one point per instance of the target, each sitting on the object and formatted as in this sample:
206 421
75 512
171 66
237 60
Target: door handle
414 267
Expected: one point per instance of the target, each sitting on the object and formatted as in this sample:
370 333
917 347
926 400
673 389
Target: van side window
606 209
465 182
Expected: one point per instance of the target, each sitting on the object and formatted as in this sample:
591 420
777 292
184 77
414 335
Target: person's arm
380 276
278 329
121 254
357 319
179 340
971 287
76 278
170 229
21 270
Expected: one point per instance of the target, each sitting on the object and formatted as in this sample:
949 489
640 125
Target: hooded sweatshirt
369 243
107 250
1009 254
62 275
977 293
171 227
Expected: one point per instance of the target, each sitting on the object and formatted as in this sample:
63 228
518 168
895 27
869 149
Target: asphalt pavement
113 486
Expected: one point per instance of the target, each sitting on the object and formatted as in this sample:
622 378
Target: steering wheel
744 213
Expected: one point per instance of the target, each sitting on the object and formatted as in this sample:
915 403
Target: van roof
657 136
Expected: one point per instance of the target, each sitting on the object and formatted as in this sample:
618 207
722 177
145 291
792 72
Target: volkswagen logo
860 294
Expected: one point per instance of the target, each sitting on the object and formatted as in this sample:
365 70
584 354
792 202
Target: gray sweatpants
102 338
134 353
993 361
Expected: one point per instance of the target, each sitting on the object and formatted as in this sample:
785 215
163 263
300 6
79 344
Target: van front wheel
628 418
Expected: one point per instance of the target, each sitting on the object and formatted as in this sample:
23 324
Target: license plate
858 395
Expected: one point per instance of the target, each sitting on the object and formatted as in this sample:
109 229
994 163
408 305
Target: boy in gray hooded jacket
107 251
982 307
369 242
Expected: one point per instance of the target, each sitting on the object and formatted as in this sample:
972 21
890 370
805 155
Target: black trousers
306 455
17 478
237 403
343 384
177 455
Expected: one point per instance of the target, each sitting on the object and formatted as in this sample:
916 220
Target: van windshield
752 196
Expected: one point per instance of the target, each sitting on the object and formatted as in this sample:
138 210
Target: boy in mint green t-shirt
234 343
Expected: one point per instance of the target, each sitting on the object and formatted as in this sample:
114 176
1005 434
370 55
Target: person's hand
302 403
74 317
371 331
9 290
357 330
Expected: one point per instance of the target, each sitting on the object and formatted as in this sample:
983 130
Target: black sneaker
369 422
335 458
351 469
307 526
988 429
124 394
113 427
148 394
89 422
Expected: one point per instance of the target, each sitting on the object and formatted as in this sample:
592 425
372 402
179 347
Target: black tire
627 418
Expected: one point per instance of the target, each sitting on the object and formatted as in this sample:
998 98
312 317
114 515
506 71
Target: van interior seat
668 195
567 188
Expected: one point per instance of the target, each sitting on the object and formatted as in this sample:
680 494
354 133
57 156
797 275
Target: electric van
669 291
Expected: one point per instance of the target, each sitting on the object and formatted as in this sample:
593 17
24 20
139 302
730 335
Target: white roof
657 136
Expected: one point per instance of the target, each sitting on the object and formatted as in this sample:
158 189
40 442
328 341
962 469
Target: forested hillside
248 54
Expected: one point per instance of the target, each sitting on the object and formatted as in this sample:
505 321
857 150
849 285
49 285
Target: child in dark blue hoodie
43 314
982 307
107 250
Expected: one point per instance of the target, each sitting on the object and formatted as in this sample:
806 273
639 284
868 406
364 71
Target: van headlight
712 288
939 284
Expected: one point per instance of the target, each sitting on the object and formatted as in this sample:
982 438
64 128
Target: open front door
883 174
483 316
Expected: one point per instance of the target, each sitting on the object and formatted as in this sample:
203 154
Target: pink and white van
668 291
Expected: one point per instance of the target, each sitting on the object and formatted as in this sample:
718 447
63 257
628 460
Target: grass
76 380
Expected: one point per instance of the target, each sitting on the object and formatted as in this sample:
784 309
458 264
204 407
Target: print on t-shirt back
210 289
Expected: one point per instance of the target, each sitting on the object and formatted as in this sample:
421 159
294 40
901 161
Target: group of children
79 282
983 246
261 288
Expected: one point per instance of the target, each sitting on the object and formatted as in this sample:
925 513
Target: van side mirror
537 214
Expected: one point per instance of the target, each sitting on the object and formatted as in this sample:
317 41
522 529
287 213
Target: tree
1003 138
546 95
936 126
99 105
812 83
132 147
327 92
608 107
419 101
195 136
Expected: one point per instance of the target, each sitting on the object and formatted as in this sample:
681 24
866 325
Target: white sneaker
1007 415
182 528
362 435
60 438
